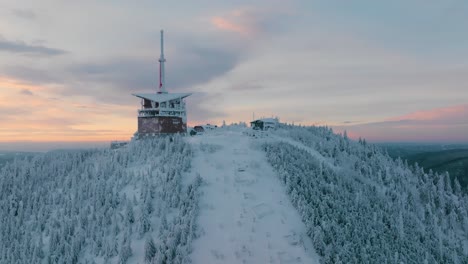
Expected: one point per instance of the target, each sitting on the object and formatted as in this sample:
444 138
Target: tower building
161 112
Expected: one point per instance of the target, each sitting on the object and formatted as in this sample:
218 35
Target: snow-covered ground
221 198
245 215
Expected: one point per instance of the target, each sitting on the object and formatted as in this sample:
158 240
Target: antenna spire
162 79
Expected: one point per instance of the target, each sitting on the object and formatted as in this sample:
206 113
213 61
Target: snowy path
245 215
310 150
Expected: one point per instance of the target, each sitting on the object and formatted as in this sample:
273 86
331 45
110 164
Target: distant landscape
452 158
10 156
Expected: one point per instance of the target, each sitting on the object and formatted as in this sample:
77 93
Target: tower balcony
161 112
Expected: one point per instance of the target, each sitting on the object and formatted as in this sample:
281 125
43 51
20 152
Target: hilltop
293 195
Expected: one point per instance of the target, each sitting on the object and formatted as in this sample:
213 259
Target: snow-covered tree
79 205
361 206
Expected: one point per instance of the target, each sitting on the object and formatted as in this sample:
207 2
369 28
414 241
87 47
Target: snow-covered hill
245 214
295 195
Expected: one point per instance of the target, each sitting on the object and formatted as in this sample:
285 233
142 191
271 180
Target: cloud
286 58
225 24
111 79
114 79
198 64
24 13
74 118
349 122
28 49
11 87
10 113
458 113
204 107
26 92
247 86
32 74
448 124
248 21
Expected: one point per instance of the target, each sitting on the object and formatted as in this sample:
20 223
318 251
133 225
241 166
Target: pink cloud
244 21
67 119
448 124
227 25
452 112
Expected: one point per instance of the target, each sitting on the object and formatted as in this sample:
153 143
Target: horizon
46 146
383 71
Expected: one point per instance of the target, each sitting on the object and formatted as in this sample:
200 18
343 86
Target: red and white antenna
162 79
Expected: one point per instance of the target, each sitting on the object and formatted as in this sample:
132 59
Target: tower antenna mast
162 79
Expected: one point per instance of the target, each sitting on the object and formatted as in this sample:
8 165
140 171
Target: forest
361 206
140 203
100 206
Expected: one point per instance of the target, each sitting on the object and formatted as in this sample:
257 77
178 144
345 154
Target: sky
387 71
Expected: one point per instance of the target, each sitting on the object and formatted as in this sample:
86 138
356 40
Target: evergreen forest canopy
88 205
361 206
451 158
132 204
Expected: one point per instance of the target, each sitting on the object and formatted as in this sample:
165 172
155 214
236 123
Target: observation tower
161 112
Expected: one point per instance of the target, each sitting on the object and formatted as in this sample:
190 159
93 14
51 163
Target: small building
199 129
264 124
161 113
